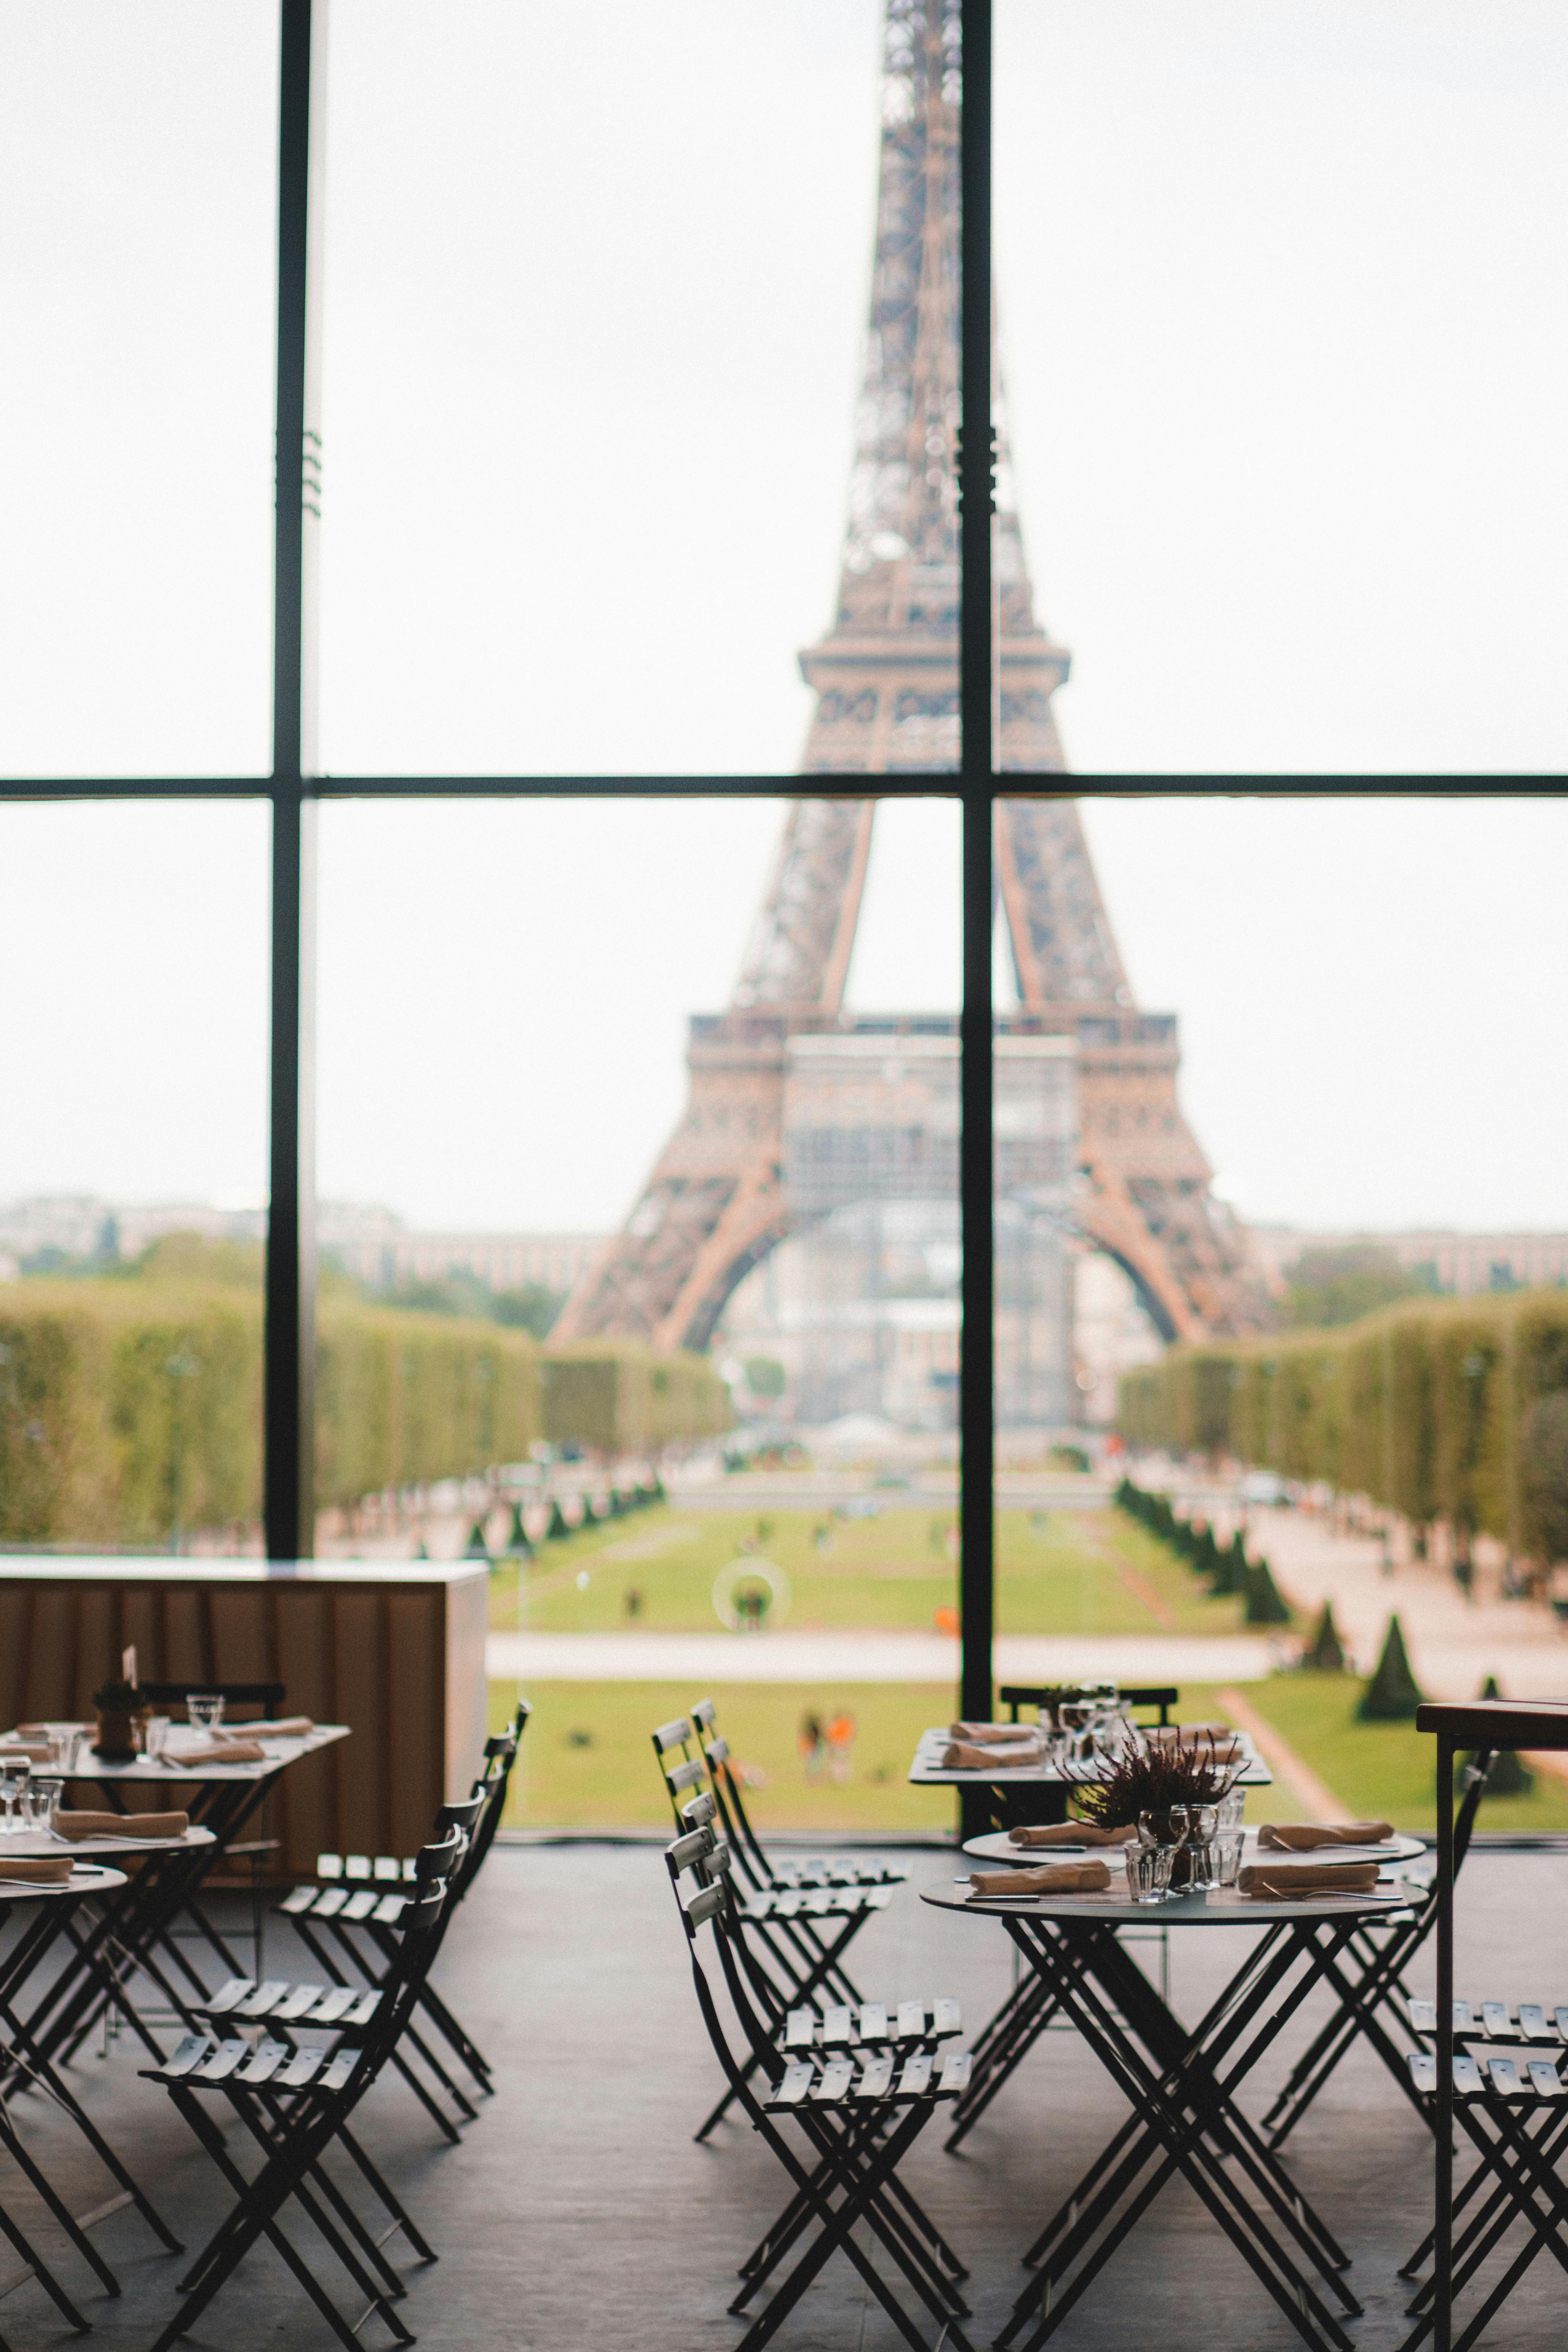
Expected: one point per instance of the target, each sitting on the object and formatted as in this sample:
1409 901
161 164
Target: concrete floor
578 2212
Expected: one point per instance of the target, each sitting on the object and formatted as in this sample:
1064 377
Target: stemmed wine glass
14 1774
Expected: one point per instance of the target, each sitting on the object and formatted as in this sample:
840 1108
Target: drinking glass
1194 1824
1148 1871
40 1801
1230 1808
14 1773
155 1738
1203 1866
1226 1849
1076 1716
62 1738
204 1710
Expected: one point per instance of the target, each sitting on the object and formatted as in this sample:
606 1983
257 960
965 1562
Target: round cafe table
1180 2085
996 1846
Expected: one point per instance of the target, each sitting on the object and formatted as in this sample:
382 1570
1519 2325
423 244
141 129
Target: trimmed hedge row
1451 1409
129 1407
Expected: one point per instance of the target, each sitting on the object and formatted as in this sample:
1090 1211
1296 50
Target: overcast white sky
1283 299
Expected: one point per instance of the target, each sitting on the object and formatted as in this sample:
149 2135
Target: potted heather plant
118 1708
1155 1783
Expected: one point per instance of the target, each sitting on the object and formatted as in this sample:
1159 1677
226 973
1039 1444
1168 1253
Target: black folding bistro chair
1510 2104
858 2113
806 1930
1370 1985
353 1921
296 2102
1030 2008
789 1972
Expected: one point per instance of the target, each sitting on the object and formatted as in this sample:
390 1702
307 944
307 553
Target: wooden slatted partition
397 1652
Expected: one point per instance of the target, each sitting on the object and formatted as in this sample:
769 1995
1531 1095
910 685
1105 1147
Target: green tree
1394 1694
1325 1653
1326 1287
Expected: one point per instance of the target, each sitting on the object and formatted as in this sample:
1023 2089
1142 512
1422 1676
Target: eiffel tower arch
885 675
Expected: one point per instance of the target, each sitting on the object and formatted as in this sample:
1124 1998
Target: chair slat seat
299 1901
361 1905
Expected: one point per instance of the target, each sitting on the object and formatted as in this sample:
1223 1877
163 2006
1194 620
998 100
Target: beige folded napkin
1303 1837
288 1727
1208 1738
221 1751
984 1732
1049 1878
1071 1833
37 1751
43 1870
958 1756
145 1825
1276 1880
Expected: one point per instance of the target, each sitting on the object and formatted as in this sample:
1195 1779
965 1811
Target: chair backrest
421 1927
268 1697
490 1796
1013 1695
707 1859
725 1783
681 1770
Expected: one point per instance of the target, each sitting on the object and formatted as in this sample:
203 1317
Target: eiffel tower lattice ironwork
886 677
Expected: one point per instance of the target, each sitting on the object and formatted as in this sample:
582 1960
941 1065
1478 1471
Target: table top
928 1770
1497 1722
167 1767
86 1878
1227 1907
996 1846
164 1567
22 1844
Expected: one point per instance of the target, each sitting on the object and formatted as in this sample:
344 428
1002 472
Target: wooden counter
396 1651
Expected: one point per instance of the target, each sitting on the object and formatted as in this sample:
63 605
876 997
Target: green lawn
1089 1571
1384 1769
587 1759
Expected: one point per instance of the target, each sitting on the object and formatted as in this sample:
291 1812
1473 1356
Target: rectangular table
1483 1727
396 1650
133 1933
1034 1793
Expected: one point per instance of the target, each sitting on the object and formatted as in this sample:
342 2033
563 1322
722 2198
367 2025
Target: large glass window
138 175
595 303
132 1175
1284 340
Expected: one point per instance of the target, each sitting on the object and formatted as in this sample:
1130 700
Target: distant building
371 1243
1460 1263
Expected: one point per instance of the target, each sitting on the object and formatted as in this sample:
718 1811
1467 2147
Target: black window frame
294 794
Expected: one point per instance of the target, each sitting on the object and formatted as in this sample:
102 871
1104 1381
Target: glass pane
1286 347
657 1174
133 943
138 175
1370 1413
595 331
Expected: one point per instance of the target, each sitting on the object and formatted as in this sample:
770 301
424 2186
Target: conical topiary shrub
1510 1776
1394 1694
1264 1605
1324 1655
478 1546
1232 1570
1206 1553
516 1546
558 1530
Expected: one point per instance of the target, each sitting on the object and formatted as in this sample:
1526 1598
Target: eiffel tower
886 678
